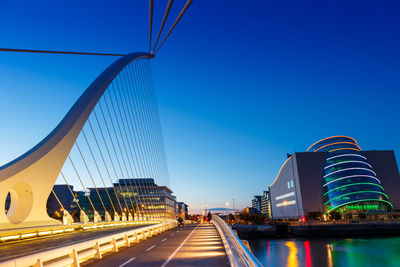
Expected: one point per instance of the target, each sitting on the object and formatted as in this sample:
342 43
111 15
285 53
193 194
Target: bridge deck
11 250
194 245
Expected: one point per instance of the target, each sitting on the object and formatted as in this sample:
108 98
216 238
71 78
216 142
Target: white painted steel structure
73 255
238 254
30 178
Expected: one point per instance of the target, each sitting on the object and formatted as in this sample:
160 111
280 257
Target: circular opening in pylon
19 203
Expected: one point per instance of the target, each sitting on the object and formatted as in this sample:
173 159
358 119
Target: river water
351 252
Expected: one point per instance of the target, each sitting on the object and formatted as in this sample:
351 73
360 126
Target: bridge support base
116 217
67 218
83 217
107 217
96 217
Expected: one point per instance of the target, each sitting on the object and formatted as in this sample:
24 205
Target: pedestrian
209 216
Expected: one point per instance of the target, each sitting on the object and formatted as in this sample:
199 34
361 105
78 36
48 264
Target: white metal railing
74 254
39 231
238 254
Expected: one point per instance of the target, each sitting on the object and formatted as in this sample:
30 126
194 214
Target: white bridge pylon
30 178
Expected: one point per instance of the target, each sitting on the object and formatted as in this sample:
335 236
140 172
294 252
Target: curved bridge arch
30 178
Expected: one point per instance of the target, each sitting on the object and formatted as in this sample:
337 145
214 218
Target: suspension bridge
96 190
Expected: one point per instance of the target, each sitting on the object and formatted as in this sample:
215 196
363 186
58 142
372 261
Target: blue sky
239 83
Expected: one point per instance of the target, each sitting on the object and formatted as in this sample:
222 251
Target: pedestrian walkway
203 247
193 245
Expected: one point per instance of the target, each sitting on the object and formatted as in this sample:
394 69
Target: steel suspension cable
152 196
158 122
157 114
150 22
108 151
119 146
126 135
59 52
91 177
139 101
150 107
168 8
149 130
137 122
124 146
105 165
83 186
176 22
153 127
70 190
116 154
143 137
134 123
58 200
140 160
143 165
98 169
147 108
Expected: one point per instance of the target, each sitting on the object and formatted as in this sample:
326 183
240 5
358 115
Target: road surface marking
125 263
173 254
172 234
163 240
150 248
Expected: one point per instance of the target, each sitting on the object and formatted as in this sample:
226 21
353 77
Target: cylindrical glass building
349 183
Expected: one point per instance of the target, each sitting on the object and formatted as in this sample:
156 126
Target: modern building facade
63 196
266 204
182 210
140 196
256 203
335 176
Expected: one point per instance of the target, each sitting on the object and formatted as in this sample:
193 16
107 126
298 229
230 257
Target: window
288 184
291 183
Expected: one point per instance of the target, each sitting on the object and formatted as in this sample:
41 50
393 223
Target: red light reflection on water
308 253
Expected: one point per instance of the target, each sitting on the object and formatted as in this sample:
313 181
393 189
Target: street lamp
234 209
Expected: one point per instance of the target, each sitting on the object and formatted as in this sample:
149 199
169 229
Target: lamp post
234 209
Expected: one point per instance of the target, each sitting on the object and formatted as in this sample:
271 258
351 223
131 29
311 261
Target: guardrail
46 230
75 254
238 254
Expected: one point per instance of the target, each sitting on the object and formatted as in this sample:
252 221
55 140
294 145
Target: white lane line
150 248
125 263
173 254
163 240
172 234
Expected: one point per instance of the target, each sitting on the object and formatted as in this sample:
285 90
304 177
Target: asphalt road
11 250
193 245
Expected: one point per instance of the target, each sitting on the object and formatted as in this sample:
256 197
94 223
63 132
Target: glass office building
349 183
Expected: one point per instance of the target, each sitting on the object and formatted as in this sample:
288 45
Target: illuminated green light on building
332 209
357 192
361 207
351 185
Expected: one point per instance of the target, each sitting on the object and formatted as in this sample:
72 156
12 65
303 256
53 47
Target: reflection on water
292 256
355 252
